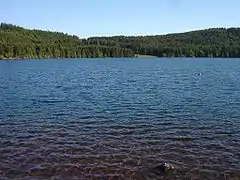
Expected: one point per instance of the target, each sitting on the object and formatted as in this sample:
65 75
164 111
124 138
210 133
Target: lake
120 118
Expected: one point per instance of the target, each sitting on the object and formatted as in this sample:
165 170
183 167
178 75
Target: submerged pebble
166 167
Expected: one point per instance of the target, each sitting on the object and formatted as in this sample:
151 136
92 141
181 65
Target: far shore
136 56
144 56
3 58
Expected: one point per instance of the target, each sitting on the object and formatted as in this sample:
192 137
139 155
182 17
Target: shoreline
136 57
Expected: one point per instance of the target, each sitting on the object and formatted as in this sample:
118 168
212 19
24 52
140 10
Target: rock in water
166 167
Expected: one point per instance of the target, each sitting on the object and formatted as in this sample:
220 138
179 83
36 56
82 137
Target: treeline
217 42
17 42
8 50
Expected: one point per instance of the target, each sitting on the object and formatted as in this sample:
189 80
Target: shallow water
120 118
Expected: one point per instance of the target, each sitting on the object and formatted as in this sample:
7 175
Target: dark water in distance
120 118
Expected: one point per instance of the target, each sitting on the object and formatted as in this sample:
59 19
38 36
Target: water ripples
119 119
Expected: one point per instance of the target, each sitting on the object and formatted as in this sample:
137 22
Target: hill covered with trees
17 42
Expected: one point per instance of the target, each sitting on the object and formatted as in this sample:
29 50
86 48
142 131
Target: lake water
120 118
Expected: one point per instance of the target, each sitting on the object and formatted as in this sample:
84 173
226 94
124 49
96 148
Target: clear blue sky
126 17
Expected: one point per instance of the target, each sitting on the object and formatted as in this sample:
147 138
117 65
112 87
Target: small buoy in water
199 74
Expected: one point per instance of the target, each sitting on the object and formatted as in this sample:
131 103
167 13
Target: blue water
120 118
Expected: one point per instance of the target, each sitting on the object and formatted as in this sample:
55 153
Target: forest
18 42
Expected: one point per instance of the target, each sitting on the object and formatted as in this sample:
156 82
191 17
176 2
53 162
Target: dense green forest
17 42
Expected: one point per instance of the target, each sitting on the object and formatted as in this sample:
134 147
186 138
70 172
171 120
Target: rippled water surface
120 119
